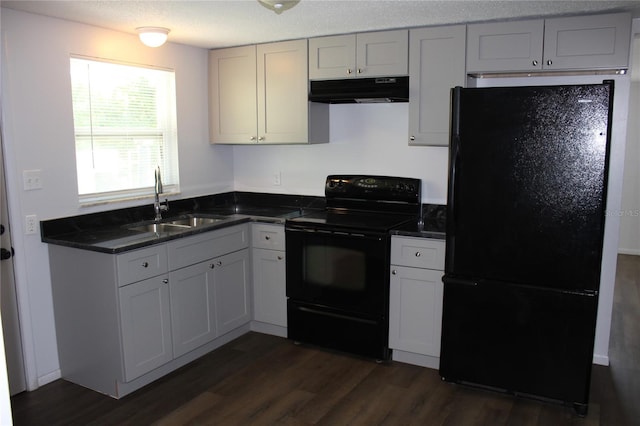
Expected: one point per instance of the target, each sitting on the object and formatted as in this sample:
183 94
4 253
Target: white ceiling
221 23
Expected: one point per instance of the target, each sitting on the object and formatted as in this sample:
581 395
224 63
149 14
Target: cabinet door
283 110
332 57
145 323
415 310
382 53
193 319
269 285
232 95
437 65
587 42
232 282
505 46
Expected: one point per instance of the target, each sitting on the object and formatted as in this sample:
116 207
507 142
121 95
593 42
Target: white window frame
169 148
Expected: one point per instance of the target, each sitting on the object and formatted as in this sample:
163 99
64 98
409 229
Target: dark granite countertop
110 232
431 225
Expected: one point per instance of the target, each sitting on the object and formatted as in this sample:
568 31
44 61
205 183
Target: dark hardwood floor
263 380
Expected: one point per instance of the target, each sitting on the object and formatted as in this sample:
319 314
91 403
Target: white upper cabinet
259 94
381 53
437 65
575 43
600 41
232 95
506 46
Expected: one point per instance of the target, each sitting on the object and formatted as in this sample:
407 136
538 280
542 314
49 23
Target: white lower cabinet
125 320
270 287
145 319
269 279
193 316
231 277
415 300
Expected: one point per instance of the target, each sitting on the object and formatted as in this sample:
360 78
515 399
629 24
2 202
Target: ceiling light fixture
152 36
278 6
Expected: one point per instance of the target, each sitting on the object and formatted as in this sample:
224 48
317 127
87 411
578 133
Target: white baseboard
416 359
632 252
50 377
265 328
601 359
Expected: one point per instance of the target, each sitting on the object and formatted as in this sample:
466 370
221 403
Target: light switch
32 179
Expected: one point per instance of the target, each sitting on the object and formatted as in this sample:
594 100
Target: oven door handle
334 315
373 236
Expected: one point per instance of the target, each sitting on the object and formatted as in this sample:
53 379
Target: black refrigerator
525 223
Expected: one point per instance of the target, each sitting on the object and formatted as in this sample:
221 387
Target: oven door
342 270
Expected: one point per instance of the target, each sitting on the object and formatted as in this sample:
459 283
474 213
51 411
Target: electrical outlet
32 179
277 179
31 224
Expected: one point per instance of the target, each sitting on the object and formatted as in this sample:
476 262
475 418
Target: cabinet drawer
190 250
417 252
267 236
141 264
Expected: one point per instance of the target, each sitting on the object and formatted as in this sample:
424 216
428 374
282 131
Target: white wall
38 134
630 210
365 138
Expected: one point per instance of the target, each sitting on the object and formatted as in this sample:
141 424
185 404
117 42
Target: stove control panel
373 188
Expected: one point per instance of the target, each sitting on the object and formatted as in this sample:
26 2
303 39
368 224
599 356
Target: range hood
360 90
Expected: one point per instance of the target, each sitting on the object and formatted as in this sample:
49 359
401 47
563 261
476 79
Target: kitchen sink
176 225
160 228
193 221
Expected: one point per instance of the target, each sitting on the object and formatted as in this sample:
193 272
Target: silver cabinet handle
394 272
145 264
211 266
349 71
219 263
266 237
418 254
412 138
252 138
165 281
261 138
535 63
549 62
280 257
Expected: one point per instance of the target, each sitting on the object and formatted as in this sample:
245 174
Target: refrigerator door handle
454 160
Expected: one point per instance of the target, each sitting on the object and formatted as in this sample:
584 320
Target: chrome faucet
158 206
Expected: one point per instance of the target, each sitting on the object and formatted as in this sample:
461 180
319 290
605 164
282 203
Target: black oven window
336 267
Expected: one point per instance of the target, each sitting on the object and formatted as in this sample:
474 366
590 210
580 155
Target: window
125 126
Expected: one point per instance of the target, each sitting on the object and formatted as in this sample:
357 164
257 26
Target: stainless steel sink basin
160 228
177 225
194 221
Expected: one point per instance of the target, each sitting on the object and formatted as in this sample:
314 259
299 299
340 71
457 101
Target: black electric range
338 263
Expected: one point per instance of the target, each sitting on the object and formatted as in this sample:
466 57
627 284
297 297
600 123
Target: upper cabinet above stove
573 43
374 54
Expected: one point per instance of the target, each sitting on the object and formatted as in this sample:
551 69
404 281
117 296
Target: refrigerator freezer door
520 339
527 182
